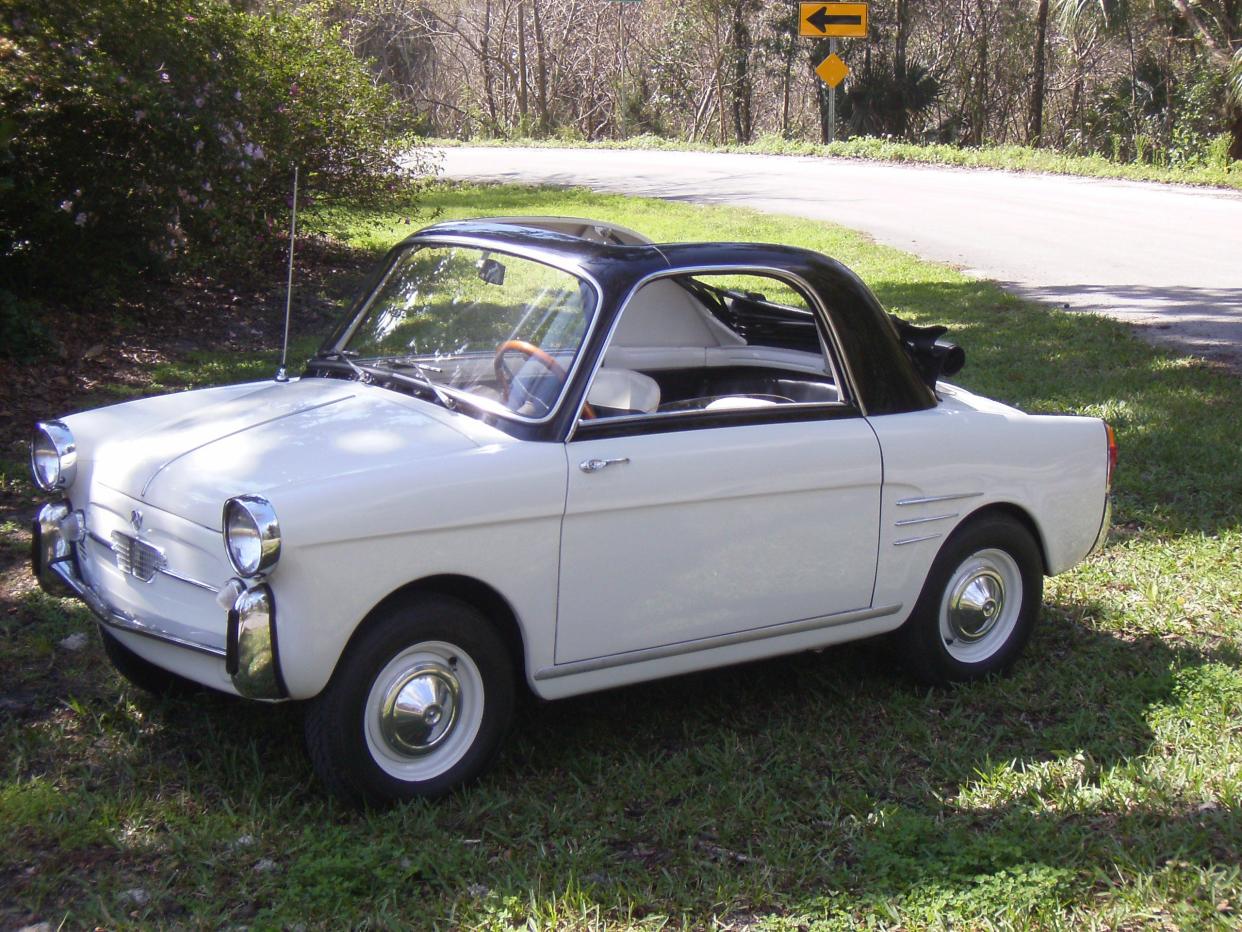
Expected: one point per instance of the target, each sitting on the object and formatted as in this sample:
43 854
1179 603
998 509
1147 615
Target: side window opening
714 342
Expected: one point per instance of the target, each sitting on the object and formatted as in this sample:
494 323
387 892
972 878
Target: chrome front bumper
250 658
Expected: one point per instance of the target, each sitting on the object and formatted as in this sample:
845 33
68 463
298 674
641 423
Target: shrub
146 133
21 333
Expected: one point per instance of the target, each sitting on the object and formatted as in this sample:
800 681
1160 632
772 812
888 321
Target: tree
152 133
1035 123
1218 28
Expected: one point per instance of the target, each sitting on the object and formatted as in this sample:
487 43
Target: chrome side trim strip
724 640
915 540
189 581
928 499
163 571
907 521
122 621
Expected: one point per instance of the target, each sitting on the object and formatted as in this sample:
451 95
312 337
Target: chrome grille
136 557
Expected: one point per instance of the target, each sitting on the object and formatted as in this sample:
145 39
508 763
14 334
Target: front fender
492 514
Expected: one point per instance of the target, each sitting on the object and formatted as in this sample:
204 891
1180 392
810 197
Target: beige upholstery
664 314
624 389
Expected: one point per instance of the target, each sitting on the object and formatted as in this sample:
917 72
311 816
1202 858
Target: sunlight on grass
1100 785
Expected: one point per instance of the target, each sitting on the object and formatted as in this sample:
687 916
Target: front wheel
417 706
978 606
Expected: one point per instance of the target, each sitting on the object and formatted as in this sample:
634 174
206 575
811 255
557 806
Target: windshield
502 330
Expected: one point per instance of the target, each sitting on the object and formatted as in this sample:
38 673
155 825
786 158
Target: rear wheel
979 605
417 706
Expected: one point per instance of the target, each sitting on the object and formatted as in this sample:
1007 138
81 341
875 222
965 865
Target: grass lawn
1099 786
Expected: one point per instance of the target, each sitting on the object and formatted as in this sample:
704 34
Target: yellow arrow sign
832 70
838 20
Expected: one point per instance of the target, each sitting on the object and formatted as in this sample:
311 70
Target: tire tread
339 754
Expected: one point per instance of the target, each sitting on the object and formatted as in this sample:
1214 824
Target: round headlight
53 456
251 534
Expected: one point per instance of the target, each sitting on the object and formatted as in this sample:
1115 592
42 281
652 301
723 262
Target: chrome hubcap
419 709
981 606
975 604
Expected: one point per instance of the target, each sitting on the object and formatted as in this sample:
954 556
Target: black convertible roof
591 242
883 372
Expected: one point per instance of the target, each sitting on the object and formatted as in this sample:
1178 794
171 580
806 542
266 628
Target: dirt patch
162 322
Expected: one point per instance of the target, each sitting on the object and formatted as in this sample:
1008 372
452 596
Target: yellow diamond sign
832 70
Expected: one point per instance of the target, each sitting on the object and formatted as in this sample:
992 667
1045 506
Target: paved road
1165 258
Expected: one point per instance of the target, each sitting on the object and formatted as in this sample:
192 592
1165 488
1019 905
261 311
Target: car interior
712 343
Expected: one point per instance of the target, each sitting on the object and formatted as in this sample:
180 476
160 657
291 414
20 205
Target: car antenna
281 374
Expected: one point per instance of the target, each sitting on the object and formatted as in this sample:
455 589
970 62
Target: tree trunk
485 59
543 120
523 86
703 113
1035 122
900 71
739 43
979 130
1076 116
786 82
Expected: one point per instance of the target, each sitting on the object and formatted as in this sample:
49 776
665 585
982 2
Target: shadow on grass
795 785
785 781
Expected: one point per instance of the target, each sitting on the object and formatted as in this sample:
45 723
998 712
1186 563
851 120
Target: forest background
1149 80
147 137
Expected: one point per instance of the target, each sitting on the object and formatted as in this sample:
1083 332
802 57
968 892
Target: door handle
597 465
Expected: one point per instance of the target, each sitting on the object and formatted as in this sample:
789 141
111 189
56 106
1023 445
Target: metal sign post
833 19
832 97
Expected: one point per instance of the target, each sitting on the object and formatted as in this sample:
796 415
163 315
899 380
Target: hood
188 453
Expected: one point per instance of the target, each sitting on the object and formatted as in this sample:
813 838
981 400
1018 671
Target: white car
547 451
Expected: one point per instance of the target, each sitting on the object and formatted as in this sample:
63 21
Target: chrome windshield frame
483 244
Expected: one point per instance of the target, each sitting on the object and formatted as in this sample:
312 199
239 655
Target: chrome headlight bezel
53 456
251 535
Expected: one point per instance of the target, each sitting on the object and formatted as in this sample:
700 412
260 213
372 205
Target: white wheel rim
423 711
980 606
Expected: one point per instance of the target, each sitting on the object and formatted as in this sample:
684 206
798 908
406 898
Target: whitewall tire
417 706
979 605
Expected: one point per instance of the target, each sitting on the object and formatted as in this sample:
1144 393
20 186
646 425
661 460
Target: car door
711 516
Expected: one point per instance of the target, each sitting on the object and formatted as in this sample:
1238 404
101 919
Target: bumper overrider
251 656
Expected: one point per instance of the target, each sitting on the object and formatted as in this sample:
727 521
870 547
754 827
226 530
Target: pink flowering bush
139 135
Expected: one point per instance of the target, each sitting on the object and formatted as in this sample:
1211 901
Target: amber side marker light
1112 453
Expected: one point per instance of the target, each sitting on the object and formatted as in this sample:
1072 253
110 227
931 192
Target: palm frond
1074 13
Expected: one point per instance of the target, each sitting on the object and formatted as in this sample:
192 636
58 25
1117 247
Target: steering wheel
530 351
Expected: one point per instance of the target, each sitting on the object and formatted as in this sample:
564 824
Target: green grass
1222 173
1099 786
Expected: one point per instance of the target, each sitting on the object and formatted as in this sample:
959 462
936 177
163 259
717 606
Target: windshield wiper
423 379
370 374
343 356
